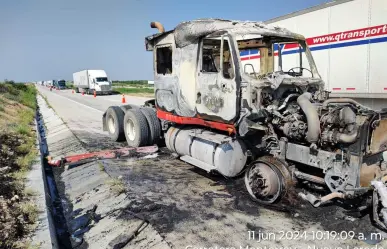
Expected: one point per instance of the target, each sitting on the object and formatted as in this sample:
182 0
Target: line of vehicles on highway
86 81
59 84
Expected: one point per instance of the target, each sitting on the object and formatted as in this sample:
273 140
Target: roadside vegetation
129 87
134 87
18 213
70 85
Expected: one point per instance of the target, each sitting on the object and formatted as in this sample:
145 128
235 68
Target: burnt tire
136 128
153 123
271 180
115 123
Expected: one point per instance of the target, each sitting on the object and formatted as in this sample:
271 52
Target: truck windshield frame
270 54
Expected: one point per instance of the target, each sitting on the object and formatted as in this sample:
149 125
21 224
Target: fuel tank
208 150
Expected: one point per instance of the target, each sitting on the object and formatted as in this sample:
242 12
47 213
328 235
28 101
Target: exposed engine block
304 121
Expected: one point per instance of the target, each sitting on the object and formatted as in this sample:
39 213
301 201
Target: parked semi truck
274 121
348 40
89 80
49 83
60 84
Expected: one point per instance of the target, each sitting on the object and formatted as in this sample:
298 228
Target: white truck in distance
89 80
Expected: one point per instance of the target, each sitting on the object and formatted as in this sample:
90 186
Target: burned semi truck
277 127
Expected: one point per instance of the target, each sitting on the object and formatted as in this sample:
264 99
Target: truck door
216 86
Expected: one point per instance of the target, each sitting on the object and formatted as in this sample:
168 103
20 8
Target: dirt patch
175 196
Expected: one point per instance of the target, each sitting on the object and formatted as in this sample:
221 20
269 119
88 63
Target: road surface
192 209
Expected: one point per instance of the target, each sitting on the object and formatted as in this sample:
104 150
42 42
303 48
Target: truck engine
331 144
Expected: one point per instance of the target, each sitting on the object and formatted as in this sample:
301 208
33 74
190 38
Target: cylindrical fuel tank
230 157
203 150
183 142
225 155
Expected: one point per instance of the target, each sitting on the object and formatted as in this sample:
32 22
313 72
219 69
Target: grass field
145 92
134 87
17 153
129 87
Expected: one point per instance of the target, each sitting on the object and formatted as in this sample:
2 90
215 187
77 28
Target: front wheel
264 181
136 128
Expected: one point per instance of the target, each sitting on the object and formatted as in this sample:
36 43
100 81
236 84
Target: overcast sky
43 40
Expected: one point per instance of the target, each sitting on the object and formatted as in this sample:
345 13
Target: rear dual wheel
153 124
142 127
115 123
136 128
139 126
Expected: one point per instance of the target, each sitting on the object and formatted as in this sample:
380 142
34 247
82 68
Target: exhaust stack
158 26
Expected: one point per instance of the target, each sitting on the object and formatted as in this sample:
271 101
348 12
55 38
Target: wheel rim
131 133
111 125
263 183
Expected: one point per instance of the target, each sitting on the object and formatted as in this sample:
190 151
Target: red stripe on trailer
351 88
385 88
336 88
195 121
255 57
291 45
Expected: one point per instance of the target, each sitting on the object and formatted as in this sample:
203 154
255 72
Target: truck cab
60 84
270 120
99 81
92 80
205 75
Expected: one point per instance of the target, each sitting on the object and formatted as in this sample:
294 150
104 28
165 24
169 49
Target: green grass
17 113
130 82
19 92
134 90
30 211
117 186
26 147
70 85
30 192
26 161
23 129
101 167
45 99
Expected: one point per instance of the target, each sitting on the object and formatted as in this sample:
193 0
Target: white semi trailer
348 40
89 80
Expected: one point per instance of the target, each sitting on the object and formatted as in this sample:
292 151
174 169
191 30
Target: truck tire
115 123
153 123
77 90
136 128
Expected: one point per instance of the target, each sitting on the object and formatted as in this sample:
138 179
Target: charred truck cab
272 120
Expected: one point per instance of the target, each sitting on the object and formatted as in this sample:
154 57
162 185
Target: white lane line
80 103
